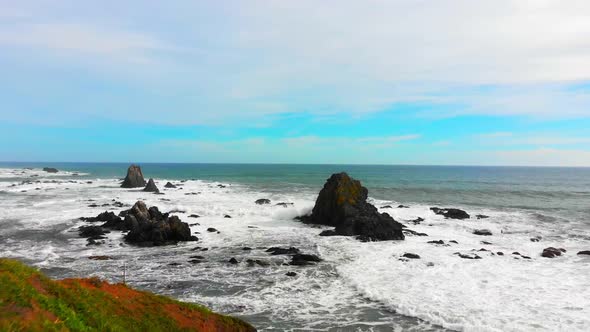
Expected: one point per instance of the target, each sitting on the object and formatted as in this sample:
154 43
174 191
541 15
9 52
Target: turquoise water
535 188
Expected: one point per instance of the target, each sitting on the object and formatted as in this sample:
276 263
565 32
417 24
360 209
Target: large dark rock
150 227
551 252
262 201
342 203
50 170
450 213
584 252
151 187
134 178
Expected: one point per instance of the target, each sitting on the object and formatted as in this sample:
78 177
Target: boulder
551 252
262 201
169 185
50 170
584 252
342 203
134 178
151 187
450 213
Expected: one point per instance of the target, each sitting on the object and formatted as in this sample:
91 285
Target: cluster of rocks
342 203
147 227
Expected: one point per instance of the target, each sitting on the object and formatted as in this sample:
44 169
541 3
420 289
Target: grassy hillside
29 301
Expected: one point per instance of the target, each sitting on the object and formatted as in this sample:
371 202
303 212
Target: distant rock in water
484 232
151 187
343 203
262 201
169 185
450 213
50 170
552 252
584 252
150 227
134 178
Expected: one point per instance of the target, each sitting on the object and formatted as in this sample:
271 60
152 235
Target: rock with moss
342 203
134 178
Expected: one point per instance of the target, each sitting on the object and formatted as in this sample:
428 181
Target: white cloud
543 157
258 58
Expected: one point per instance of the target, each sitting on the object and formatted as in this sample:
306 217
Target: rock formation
134 178
451 213
342 203
151 187
50 170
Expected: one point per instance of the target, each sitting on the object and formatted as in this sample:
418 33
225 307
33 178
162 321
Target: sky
439 82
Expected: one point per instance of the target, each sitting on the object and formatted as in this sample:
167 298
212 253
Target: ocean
358 286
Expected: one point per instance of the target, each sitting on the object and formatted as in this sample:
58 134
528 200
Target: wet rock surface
342 203
134 178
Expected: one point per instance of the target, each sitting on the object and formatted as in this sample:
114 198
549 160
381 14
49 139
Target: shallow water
358 286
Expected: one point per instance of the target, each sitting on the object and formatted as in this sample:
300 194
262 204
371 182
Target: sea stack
151 187
342 203
134 178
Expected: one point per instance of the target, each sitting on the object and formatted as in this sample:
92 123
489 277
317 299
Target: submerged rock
481 216
450 213
169 185
284 204
151 187
304 259
484 232
551 252
411 256
282 251
584 252
134 178
262 201
342 203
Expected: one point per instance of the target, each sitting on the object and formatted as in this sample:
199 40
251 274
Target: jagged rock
169 185
484 232
342 203
551 252
134 178
151 187
50 170
450 213
408 231
104 216
233 261
150 227
437 242
262 201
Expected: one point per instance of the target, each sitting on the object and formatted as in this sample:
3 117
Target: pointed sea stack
134 178
151 187
342 203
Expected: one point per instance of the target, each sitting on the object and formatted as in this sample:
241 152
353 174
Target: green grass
29 301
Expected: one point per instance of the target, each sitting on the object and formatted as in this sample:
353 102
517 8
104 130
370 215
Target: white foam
495 293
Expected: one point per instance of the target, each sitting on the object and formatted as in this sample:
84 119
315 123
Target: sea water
358 286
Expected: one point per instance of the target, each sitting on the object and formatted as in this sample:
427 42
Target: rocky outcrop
50 170
150 227
134 178
450 213
342 203
551 252
262 201
151 187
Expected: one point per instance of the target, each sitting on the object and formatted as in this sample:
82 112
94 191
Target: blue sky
503 82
